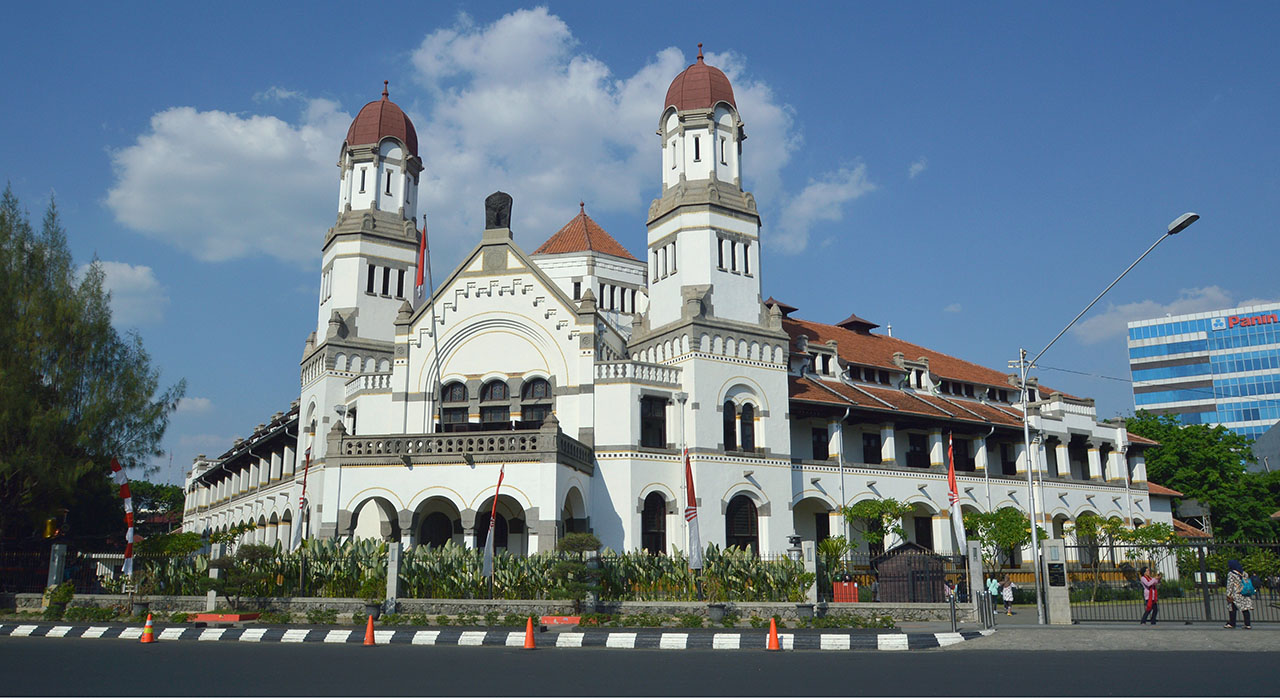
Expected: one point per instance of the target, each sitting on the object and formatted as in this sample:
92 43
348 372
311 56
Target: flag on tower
422 256
487 569
691 517
953 494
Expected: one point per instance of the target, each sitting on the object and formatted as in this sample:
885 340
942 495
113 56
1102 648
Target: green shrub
419 620
61 594
466 620
442 620
730 619
89 614
179 617
393 619
690 620
322 616
514 620
270 617
53 612
491 618
757 621
595 620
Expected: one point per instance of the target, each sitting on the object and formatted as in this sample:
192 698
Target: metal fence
1103 580
906 577
24 571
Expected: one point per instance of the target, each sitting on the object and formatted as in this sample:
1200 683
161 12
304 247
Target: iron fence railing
23 571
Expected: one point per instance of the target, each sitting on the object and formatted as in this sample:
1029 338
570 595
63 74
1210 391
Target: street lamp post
1176 226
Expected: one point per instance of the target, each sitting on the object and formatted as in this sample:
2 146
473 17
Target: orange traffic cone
148 634
368 633
528 635
773 634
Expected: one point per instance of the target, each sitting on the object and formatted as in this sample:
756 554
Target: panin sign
1222 324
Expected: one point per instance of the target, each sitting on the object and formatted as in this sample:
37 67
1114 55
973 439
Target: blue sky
972 174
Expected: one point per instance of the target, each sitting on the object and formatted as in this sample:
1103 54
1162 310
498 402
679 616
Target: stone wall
900 612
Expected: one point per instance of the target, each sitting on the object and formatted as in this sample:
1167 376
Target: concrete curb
641 639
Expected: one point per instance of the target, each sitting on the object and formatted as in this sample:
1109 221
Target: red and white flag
486 569
302 504
953 493
422 257
691 517
118 476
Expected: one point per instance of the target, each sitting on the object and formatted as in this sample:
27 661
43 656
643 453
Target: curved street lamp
1176 226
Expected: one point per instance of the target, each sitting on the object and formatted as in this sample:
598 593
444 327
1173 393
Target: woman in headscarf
1236 599
1150 594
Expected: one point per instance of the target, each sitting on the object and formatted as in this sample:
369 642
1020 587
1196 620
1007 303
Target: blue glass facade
1227 372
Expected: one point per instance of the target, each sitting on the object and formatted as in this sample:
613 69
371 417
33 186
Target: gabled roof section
1157 490
857 324
784 307
870 350
1182 529
582 233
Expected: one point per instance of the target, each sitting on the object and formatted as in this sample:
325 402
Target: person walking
1236 599
1006 592
993 587
1150 594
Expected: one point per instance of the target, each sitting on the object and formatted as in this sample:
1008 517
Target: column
264 471
936 451
1139 475
1064 458
289 460
980 461
285 533
888 450
835 439
1020 458
276 463
942 538
1095 465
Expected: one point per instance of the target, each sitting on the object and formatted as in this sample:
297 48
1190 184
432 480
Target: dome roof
699 87
382 118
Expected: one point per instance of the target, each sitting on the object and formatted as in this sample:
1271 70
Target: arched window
535 400
499 529
748 430
740 524
437 530
454 392
653 524
730 427
494 392
452 416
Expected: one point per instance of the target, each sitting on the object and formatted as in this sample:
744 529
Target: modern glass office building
1216 367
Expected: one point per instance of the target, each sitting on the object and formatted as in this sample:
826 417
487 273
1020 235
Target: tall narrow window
720 253
723 159
633 301
730 426
363 171
747 431
577 291
373 271
741 527
733 256
746 258
600 299
673 155
388 182
821 443
697 149
653 421
400 284
672 254
386 281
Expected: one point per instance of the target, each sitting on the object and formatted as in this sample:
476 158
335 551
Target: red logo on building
1263 319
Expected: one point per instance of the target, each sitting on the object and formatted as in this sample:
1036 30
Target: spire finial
384 89
582 207
699 51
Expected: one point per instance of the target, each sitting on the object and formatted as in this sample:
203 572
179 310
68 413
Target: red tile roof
583 233
699 87
1157 490
1182 529
382 118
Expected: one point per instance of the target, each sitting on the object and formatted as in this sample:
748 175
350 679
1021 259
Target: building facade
1216 367
581 373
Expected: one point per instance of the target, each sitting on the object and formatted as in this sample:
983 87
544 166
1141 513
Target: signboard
1222 323
1057 574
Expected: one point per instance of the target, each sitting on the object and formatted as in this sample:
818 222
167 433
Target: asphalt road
34 666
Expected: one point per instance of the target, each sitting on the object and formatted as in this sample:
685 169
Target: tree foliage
879 518
1209 464
1000 533
73 391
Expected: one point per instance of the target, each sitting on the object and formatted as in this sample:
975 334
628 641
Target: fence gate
1104 586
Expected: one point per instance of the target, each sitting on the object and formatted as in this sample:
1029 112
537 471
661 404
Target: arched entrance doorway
653 524
742 524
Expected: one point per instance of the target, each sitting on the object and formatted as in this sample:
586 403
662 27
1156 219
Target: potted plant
715 612
804 610
572 577
373 591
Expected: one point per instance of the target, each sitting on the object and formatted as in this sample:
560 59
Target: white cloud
952 308
223 186
514 105
821 200
918 167
1113 322
194 405
137 298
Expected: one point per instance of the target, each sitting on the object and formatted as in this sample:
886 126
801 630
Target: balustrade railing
631 370
368 382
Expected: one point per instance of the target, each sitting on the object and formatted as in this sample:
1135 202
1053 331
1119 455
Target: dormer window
697 149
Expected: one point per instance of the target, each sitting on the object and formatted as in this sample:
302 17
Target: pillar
285 533
936 456
276 465
290 457
835 439
888 449
980 460
1095 465
1064 458
1020 455
1139 470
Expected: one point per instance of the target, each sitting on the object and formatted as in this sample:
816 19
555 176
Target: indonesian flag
302 504
691 517
422 257
486 569
953 493
118 476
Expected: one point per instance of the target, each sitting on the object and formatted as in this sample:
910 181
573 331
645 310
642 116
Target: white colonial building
582 371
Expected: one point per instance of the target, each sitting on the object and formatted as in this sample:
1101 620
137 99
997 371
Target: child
1006 592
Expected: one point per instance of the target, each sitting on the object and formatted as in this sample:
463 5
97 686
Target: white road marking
425 637
294 635
471 639
673 640
724 640
621 640
58 632
337 636
212 634
569 639
891 642
834 642
946 639
253 634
